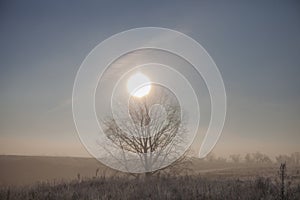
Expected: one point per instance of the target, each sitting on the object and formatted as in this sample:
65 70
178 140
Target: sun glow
138 85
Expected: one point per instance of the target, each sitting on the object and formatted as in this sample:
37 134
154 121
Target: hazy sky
255 44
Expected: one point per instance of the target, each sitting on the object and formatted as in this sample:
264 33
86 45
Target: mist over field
27 170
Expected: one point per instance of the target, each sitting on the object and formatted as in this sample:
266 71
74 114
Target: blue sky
255 44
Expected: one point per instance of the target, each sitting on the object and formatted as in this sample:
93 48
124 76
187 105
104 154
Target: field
78 178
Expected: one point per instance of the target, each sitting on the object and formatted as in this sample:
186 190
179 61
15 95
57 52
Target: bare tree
155 132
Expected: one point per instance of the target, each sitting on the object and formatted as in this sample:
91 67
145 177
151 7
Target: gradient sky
255 44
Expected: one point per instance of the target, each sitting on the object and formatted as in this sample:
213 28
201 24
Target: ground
75 178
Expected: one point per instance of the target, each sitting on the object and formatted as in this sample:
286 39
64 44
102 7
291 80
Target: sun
138 85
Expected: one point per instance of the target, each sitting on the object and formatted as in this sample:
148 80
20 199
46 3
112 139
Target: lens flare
138 85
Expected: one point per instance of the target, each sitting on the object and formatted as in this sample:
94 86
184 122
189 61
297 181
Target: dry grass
163 187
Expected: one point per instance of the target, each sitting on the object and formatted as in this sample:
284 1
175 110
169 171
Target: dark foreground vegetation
158 187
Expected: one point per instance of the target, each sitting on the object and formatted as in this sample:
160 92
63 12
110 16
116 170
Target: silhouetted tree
155 134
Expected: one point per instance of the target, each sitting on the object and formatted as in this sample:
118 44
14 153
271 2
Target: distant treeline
257 158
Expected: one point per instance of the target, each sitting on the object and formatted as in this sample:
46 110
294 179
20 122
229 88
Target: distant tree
261 158
211 157
295 157
235 158
249 158
283 159
267 160
221 160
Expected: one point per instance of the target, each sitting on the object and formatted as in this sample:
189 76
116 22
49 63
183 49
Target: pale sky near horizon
255 44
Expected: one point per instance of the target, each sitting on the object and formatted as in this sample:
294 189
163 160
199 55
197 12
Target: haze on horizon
255 44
